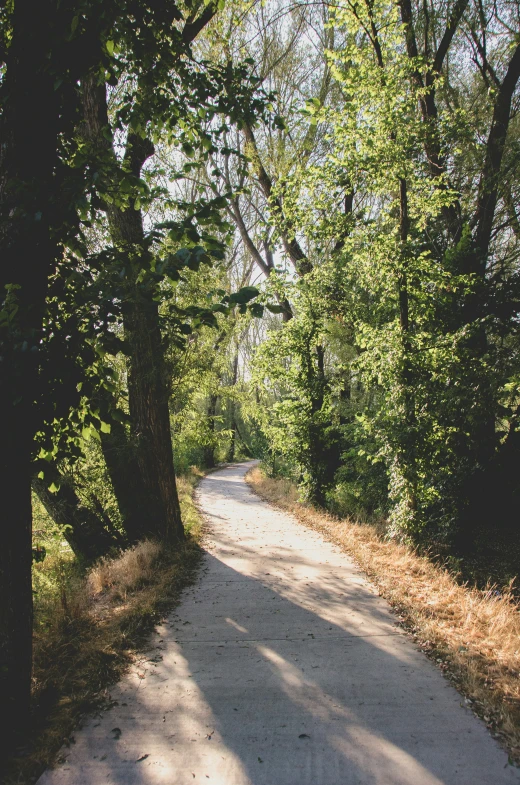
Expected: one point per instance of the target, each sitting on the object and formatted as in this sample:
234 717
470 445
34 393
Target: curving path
281 666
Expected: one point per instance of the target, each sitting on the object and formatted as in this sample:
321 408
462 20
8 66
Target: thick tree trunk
15 578
489 185
150 418
123 468
147 384
476 262
28 131
88 535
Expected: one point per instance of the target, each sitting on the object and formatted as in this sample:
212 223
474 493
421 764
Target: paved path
281 666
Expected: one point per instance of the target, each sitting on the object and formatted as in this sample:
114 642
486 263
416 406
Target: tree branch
291 247
138 150
266 265
442 51
427 101
194 25
489 179
246 238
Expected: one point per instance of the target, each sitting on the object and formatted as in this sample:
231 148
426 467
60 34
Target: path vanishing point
280 666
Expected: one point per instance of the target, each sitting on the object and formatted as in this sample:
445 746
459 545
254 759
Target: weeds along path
281 666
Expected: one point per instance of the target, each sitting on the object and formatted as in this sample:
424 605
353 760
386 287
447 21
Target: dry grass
474 636
134 568
91 629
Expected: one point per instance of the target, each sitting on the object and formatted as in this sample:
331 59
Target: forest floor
281 665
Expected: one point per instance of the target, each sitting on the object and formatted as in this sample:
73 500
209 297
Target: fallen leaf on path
143 757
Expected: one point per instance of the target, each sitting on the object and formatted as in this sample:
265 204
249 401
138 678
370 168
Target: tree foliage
278 231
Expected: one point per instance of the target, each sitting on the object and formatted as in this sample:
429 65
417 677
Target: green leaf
257 310
244 295
220 308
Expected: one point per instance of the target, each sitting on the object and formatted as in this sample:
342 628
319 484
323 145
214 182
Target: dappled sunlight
387 763
153 743
303 691
282 666
321 588
237 626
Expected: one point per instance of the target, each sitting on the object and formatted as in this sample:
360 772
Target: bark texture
90 535
120 456
28 134
148 390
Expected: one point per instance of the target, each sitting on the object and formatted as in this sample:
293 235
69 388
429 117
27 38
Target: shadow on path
282 666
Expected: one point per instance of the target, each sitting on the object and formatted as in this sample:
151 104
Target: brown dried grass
133 568
473 635
95 624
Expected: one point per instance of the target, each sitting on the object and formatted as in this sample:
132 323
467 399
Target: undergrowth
90 623
472 634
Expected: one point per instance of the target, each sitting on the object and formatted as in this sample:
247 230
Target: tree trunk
123 468
15 579
232 447
318 469
147 387
147 384
209 449
150 417
409 464
87 534
28 153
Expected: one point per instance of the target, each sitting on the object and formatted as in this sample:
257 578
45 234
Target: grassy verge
88 627
473 635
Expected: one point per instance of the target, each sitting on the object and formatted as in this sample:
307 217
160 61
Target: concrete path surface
281 666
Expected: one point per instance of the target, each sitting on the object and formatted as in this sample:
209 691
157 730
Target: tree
90 534
30 125
429 296
44 184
